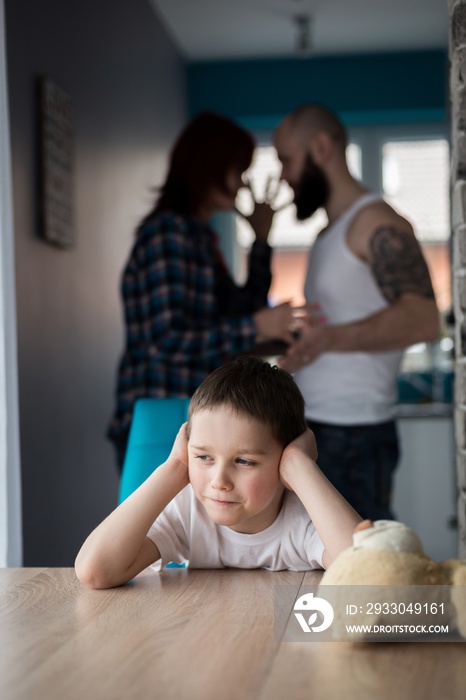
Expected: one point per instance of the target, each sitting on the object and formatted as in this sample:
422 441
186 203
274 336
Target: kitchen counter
424 410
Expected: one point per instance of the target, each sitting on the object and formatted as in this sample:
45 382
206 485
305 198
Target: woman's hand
261 217
281 322
261 220
275 322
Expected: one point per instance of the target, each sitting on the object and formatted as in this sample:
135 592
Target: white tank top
346 388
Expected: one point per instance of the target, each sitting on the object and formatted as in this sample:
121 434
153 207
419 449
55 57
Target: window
415 178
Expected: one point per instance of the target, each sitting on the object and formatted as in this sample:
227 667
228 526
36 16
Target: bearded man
370 296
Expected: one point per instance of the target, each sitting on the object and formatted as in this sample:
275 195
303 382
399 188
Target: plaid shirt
184 314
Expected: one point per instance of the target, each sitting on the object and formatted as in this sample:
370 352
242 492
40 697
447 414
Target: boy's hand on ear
294 455
179 452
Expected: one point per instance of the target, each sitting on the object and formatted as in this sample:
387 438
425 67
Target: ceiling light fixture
303 25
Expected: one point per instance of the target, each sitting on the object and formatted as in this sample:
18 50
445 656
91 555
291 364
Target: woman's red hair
207 149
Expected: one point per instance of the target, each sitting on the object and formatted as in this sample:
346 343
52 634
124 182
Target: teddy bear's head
384 552
386 536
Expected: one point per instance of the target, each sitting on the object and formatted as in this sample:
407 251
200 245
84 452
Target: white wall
10 497
425 496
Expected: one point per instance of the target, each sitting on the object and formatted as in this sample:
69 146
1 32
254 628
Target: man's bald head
309 119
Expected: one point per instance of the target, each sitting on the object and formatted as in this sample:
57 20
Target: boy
239 489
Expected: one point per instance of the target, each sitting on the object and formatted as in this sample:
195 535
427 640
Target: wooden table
195 635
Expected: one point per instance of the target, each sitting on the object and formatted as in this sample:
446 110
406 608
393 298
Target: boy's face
233 469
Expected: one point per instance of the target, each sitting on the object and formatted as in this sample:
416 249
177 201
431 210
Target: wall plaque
57 164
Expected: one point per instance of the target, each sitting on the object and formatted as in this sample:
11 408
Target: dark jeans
360 461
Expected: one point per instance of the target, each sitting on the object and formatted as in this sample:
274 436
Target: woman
184 314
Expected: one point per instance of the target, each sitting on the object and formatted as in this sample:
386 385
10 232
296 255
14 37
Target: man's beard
312 190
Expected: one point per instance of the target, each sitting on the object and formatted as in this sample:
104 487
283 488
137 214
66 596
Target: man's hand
313 340
295 455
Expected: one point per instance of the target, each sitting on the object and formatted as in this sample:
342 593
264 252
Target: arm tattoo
398 264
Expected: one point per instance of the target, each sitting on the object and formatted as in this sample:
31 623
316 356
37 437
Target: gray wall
127 82
457 10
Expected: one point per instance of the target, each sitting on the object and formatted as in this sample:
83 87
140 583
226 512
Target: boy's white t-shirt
184 533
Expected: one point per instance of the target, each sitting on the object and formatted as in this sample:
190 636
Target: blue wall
362 89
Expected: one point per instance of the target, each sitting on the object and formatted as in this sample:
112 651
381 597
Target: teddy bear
395 586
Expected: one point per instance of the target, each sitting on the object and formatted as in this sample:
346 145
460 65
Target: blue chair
153 430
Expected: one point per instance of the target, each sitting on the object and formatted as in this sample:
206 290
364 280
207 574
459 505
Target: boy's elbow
91 580
91 575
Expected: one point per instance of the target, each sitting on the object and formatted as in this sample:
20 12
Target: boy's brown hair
253 388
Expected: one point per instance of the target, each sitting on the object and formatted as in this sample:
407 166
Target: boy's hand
295 454
179 452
